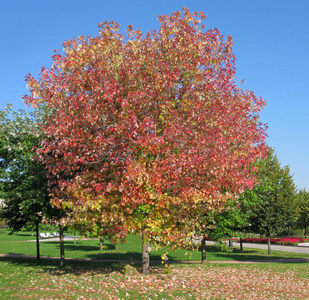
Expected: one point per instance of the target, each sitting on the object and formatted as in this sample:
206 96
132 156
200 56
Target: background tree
228 220
23 179
233 221
289 193
303 205
147 124
275 208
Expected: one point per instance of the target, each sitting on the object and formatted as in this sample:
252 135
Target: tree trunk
145 255
268 242
101 243
74 237
240 244
230 242
203 250
62 262
32 231
37 241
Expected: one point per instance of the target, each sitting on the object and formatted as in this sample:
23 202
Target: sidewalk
53 239
301 248
303 245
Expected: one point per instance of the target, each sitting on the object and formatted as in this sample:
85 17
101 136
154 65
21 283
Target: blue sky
271 45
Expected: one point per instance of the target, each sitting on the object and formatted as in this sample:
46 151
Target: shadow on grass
51 266
121 260
70 246
128 262
128 256
22 234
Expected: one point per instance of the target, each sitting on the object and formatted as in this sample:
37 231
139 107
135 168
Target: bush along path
293 241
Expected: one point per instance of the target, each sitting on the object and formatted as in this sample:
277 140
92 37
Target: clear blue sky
270 43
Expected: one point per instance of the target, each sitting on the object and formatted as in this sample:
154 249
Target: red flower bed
280 241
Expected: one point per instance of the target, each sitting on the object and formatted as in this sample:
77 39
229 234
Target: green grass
44 279
21 278
7 236
131 250
299 269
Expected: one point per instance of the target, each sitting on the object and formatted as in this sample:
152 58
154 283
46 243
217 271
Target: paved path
53 239
296 249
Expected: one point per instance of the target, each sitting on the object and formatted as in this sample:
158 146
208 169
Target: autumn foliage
142 124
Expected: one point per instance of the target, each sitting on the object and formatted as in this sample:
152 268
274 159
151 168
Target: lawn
5 236
131 250
28 278
20 279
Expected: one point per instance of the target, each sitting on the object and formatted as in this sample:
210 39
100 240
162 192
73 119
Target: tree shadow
80 267
23 234
113 259
130 256
70 246
129 261
52 267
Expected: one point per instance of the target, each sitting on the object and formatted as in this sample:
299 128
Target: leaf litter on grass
182 282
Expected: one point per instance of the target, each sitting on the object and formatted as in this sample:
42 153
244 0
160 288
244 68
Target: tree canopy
303 205
23 179
275 208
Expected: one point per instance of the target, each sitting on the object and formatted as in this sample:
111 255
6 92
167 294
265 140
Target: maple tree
144 124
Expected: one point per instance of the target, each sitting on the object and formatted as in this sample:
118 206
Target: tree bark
268 242
145 255
37 241
203 250
62 260
101 243
240 244
230 242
